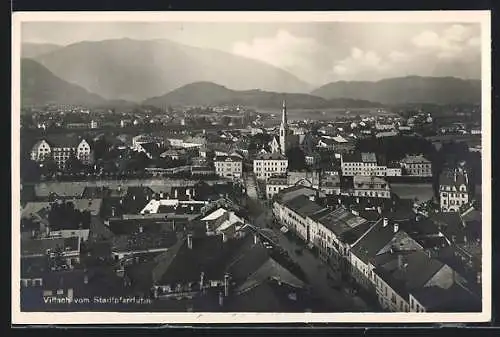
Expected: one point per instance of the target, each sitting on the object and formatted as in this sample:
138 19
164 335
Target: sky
317 52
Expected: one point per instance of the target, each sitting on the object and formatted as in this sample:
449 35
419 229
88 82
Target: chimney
401 261
113 211
133 197
379 210
175 193
161 195
202 280
255 239
226 285
190 241
385 222
221 299
396 227
85 279
357 200
141 229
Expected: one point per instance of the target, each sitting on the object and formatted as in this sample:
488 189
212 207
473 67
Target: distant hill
410 89
135 70
30 50
39 87
210 94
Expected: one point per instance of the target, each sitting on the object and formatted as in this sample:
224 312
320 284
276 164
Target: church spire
283 130
283 114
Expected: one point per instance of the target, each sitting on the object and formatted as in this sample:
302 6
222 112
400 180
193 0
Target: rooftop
415 159
271 156
39 247
228 159
303 206
417 270
341 221
453 299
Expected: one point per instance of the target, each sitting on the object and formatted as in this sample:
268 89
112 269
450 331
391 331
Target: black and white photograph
225 167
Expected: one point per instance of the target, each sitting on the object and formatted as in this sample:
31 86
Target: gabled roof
417 270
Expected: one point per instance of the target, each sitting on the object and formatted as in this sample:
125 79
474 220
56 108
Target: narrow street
315 270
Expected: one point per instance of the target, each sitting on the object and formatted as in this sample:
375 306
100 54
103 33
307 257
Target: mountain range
208 93
161 72
39 87
136 70
410 89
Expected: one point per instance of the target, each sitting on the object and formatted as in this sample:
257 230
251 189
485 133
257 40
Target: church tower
283 129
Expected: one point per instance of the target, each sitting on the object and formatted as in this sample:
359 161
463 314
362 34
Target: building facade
417 166
454 189
371 187
267 165
228 166
62 150
364 164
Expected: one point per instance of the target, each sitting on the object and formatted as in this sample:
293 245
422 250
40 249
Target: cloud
359 61
398 56
283 50
456 41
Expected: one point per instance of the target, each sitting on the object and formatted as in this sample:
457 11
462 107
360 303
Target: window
47 293
60 291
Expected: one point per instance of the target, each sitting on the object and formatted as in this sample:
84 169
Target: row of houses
357 186
61 149
367 163
408 262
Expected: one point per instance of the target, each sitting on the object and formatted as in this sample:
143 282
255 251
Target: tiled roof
40 246
417 270
339 220
415 159
453 299
271 156
209 255
303 206
228 158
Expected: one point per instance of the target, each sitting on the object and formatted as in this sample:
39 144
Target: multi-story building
454 189
371 187
362 163
267 165
392 259
61 150
228 166
41 151
417 166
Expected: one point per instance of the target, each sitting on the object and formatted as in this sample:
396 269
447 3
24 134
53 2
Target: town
231 209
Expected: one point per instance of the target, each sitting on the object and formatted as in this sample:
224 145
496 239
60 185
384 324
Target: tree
29 170
73 164
49 167
101 148
296 159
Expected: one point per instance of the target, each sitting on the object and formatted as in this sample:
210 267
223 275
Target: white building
364 163
453 189
377 187
94 124
228 166
269 164
61 150
417 166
